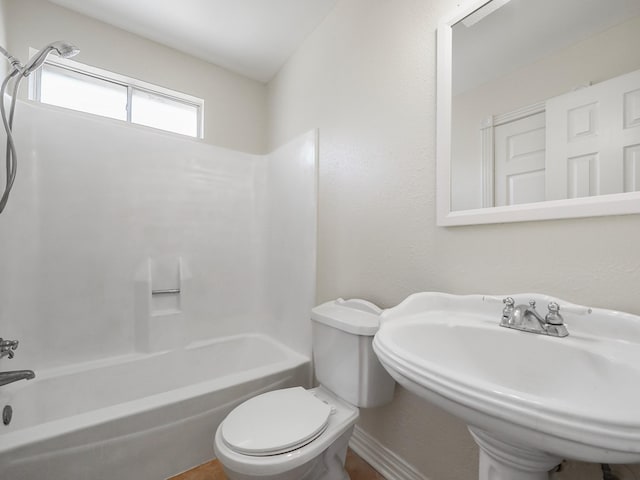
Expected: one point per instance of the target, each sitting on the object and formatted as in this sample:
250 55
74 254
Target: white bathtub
138 417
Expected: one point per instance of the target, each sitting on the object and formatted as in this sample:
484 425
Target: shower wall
3 36
103 212
291 235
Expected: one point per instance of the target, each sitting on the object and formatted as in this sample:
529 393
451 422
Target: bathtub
139 416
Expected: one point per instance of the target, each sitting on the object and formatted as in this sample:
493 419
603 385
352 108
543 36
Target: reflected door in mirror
594 139
520 161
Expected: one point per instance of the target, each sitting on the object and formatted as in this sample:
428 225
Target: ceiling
251 37
523 31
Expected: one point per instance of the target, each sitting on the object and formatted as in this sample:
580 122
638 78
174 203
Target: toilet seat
275 422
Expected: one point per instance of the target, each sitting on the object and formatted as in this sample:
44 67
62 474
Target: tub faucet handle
7 348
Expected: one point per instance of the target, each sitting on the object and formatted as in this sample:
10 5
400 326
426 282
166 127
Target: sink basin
529 400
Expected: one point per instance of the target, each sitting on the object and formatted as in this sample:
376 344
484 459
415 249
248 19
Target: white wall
3 38
95 200
366 79
291 237
235 106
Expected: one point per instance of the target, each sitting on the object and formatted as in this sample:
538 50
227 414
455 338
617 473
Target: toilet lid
275 422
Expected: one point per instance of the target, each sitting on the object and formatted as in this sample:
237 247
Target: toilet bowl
303 458
299 434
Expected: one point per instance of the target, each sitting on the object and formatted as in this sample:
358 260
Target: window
73 85
77 91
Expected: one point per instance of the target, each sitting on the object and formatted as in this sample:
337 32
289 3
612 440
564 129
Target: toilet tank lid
355 316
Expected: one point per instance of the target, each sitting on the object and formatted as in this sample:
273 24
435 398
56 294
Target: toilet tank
343 355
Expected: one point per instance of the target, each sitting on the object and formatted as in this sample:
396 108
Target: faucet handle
507 311
8 344
554 317
508 302
7 348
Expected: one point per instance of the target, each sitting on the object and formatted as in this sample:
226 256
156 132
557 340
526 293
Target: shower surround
103 214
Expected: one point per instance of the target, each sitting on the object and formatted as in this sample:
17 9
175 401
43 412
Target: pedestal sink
529 400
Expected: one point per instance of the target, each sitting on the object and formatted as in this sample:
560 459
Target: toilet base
334 458
327 466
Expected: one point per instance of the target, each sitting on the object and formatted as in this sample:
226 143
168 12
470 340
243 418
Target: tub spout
15 375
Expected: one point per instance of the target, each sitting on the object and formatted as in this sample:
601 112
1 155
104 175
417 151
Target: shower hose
17 73
11 159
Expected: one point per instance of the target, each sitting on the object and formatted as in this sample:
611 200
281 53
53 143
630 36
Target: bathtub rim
15 440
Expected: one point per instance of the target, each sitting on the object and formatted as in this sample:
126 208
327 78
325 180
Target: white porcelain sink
530 400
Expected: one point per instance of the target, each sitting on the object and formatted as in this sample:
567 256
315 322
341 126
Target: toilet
299 434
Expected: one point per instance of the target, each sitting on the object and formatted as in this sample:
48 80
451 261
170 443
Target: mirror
538 110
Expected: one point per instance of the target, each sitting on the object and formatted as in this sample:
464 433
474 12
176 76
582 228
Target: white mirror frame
613 204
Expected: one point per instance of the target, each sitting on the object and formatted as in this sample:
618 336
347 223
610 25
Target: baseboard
383 460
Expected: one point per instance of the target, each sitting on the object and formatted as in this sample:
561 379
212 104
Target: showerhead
63 49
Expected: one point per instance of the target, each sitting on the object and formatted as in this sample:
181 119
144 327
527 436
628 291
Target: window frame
131 84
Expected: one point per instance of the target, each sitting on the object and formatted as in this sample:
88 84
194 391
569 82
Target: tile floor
358 470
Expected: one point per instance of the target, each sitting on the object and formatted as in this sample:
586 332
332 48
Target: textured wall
366 79
235 107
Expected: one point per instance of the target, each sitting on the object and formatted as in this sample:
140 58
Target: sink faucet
526 318
14 376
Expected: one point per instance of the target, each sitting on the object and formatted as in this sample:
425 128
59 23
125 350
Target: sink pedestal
500 460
